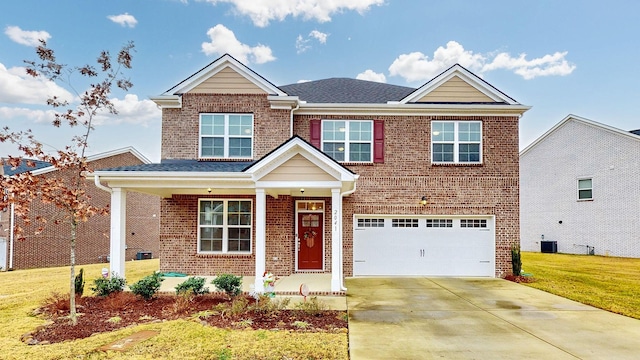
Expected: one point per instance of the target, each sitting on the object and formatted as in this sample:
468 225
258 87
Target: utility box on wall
144 255
549 247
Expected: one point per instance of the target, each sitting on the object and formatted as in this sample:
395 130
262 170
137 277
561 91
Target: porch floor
287 286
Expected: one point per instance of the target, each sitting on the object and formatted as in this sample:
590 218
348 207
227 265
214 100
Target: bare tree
66 193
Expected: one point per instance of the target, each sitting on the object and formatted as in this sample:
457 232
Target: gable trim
468 77
223 62
584 121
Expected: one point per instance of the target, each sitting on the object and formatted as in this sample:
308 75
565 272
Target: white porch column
261 238
118 231
336 239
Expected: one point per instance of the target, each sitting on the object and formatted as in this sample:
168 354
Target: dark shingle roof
637 132
344 90
9 170
187 165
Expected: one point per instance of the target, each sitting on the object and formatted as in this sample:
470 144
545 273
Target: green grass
23 290
608 283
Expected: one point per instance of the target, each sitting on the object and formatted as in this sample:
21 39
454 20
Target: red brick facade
52 247
392 187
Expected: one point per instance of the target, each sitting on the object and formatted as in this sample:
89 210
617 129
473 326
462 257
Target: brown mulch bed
120 310
520 279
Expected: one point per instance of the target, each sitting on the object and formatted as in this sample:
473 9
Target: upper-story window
226 136
348 140
585 189
456 142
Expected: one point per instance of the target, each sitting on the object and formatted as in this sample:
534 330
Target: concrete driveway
471 318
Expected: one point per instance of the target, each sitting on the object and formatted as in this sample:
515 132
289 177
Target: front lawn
24 290
608 283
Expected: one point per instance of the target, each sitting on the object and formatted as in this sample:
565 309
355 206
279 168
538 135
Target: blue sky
560 57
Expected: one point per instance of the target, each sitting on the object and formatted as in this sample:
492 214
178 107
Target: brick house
580 190
51 247
338 176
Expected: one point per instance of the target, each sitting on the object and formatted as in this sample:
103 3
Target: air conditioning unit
144 255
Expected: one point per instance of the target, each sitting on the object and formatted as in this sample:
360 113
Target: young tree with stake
66 193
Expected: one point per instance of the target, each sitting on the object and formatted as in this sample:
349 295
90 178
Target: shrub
148 286
313 306
79 283
516 262
103 287
268 306
194 285
230 284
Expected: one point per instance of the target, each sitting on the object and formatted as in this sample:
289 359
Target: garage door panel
434 251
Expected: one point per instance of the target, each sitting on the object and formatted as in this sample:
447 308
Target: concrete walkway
455 318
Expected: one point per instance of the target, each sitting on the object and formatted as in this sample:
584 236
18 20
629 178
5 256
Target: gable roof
10 170
345 90
171 98
43 167
628 134
475 83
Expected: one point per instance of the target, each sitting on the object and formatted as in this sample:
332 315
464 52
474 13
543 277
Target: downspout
11 226
96 180
341 270
291 119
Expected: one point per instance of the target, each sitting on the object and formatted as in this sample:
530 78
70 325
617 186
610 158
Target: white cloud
417 66
131 110
302 44
262 12
124 20
370 75
548 65
224 41
302 81
29 38
320 36
16 87
20 113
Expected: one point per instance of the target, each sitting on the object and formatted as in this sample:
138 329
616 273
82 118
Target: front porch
227 217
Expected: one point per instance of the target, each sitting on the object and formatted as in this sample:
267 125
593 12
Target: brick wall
397 185
180 127
52 247
549 196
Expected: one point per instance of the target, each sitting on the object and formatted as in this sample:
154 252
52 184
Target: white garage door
434 246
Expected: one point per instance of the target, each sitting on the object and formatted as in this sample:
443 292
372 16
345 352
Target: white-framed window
439 223
224 225
370 223
401 222
226 136
348 140
585 189
456 142
473 223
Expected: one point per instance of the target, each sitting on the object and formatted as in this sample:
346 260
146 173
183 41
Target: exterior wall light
423 201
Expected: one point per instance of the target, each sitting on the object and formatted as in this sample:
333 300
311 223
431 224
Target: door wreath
310 238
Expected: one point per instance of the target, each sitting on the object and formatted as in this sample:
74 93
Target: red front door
310 241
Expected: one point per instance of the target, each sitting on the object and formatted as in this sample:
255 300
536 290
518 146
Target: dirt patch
120 310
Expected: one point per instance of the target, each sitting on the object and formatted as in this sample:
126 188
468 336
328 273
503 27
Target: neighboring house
52 247
329 176
580 188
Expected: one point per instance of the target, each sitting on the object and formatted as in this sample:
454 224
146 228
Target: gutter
291 119
341 268
96 181
11 226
